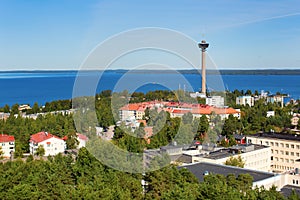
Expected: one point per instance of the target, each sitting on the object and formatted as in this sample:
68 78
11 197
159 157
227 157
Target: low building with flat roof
260 178
255 157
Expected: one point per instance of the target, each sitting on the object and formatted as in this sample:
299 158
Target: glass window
292 153
287 153
272 143
276 144
287 145
292 146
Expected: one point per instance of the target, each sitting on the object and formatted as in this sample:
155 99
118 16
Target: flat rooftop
198 169
224 153
283 136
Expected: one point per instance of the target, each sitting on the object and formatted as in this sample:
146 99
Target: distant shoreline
193 71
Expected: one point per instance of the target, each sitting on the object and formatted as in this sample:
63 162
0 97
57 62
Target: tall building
285 149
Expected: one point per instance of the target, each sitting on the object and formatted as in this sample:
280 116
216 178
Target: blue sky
59 34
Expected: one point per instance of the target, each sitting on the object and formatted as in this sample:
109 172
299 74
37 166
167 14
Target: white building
244 100
216 101
270 113
7 143
255 157
51 143
285 149
82 139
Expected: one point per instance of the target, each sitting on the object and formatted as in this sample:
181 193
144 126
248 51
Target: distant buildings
4 116
176 109
216 101
7 143
276 99
245 100
51 143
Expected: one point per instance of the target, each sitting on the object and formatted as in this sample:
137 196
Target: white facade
270 113
7 148
244 100
284 152
216 101
82 139
52 146
256 159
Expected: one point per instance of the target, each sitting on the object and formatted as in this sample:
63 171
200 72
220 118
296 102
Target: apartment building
285 149
245 100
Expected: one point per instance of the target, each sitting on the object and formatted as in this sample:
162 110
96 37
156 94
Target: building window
271 157
276 151
276 158
281 144
267 143
292 146
287 160
3 144
287 153
272 143
292 153
281 152
276 144
298 147
297 154
287 145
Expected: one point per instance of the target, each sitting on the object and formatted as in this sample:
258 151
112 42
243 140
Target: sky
61 34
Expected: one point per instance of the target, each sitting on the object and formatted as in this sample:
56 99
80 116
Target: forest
63 177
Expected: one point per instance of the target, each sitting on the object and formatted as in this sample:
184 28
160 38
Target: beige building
7 145
285 149
244 100
256 157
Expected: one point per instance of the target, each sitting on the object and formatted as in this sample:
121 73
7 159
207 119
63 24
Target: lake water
42 87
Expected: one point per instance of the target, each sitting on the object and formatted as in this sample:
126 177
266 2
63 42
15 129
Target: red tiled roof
82 137
7 138
179 111
42 136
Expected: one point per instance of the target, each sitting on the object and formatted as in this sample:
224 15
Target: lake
42 87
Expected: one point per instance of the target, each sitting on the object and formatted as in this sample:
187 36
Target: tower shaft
203 88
